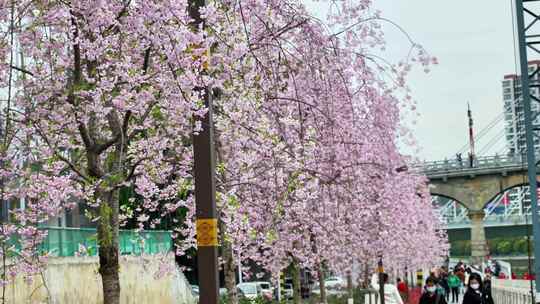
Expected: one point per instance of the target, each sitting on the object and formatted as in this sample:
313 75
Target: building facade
514 112
514 125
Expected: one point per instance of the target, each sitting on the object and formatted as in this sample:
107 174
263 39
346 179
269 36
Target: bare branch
22 70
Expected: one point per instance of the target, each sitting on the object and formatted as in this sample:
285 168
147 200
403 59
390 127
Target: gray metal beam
529 132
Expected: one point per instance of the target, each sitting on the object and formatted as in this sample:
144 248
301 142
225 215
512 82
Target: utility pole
205 189
528 40
380 270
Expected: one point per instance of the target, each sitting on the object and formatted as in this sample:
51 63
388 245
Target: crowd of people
446 286
443 287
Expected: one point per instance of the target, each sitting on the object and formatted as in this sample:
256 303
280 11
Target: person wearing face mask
391 293
431 294
475 293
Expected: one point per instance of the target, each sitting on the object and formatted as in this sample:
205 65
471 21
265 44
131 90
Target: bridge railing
486 162
492 219
511 291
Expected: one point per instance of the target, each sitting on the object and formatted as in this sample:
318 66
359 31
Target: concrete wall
76 280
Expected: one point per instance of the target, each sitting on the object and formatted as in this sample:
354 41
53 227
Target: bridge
474 192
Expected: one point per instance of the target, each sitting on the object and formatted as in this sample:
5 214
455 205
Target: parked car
334 286
250 290
266 289
335 283
288 291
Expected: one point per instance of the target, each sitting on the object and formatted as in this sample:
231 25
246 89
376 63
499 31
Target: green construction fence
63 241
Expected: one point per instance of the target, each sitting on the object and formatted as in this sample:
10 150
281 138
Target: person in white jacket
391 293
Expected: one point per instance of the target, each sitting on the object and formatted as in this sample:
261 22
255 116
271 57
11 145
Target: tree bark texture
229 267
365 283
297 297
322 284
350 290
108 247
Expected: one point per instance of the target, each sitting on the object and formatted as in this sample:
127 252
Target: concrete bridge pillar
474 188
479 248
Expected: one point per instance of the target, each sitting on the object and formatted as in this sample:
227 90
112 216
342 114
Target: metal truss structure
508 208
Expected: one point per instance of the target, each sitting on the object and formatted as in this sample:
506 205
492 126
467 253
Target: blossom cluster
104 95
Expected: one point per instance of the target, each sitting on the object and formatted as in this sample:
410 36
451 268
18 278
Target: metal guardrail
511 291
493 219
371 296
488 162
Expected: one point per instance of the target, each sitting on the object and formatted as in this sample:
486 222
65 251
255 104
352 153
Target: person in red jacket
403 290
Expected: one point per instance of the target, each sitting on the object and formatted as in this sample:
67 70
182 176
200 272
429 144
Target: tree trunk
297 297
350 287
108 247
229 267
322 285
230 276
366 276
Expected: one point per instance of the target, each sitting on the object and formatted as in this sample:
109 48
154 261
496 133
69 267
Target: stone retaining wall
76 280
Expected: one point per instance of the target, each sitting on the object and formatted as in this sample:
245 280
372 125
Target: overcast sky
473 41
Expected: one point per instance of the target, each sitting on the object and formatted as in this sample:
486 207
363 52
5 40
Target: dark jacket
487 291
444 283
476 297
432 298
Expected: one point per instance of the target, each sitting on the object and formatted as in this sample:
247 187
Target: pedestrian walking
432 294
459 159
475 293
403 290
454 283
443 282
467 275
391 293
461 275
487 289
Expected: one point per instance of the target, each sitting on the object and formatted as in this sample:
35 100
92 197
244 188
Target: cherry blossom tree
332 122
307 122
107 100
